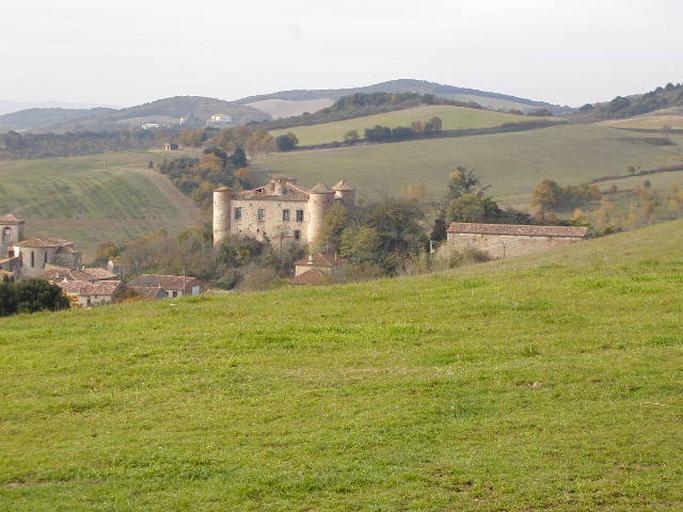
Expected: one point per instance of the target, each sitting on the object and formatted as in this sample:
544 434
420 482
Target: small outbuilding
506 240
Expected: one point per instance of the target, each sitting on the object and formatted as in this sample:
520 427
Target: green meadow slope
512 162
77 199
546 383
453 118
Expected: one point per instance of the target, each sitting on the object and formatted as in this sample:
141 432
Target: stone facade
38 253
280 211
508 240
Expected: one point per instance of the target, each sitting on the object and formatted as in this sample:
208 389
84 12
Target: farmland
551 382
511 162
77 199
454 118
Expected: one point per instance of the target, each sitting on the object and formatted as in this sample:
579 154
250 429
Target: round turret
320 198
345 193
221 214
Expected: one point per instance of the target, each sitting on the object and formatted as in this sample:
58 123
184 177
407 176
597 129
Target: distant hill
35 117
190 111
623 107
490 100
7 106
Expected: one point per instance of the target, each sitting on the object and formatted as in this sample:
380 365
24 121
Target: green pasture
87 200
453 118
551 382
513 163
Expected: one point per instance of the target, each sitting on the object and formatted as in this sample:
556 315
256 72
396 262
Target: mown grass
513 163
78 199
550 382
454 118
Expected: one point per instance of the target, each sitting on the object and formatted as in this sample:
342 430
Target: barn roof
85 288
518 230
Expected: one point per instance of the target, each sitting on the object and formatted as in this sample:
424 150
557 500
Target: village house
316 269
88 294
507 240
281 211
172 286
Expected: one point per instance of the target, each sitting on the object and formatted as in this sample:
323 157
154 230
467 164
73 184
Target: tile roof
518 230
319 260
342 186
149 292
10 219
312 277
40 241
86 288
167 282
321 188
99 274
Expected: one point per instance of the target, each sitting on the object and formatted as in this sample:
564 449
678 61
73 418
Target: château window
261 215
297 234
6 235
33 259
44 258
238 213
285 215
299 215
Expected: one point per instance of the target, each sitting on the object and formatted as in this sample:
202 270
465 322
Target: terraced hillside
512 162
548 383
77 199
454 118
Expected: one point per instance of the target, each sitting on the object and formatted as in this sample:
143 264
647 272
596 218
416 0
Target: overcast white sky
124 52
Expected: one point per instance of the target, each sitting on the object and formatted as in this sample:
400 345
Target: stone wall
506 246
272 226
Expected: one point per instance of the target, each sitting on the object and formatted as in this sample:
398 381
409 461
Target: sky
126 52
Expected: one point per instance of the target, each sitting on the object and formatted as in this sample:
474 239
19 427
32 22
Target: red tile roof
313 277
149 292
319 260
85 288
167 282
518 230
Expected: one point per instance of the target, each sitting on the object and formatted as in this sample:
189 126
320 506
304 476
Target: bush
30 296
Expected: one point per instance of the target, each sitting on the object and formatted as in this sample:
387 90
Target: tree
8 297
415 192
360 245
351 136
37 295
239 158
433 125
462 181
286 142
398 222
336 220
192 138
546 196
468 207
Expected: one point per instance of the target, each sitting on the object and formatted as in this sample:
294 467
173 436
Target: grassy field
77 199
512 162
454 118
546 383
672 118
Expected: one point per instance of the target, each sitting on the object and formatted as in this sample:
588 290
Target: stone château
281 211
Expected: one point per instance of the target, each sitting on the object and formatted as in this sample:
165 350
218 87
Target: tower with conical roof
345 193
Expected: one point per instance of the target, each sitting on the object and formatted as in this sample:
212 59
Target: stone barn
507 240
